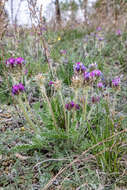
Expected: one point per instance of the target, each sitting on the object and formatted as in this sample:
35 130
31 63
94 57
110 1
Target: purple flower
70 105
98 29
51 82
21 87
95 99
92 74
77 106
87 76
116 82
118 32
20 61
100 85
97 73
63 52
83 68
16 89
10 62
43 29
100 38
79 68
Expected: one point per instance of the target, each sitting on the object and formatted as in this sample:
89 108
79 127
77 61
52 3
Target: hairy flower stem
90 112
22 107
68 125
76 95
29 110
50 107
63 104
74 112
114 102
85 104
26 102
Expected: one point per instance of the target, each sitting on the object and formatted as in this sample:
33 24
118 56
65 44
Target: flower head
118 32
51 82
20 61
77 106
71 105
95 99
116 82
63 52
87 76
16 89
21 87
97 73
100 38
100 85
10 62
56 84
79 68
98 29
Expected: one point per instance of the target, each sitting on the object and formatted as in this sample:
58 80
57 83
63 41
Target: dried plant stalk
3 18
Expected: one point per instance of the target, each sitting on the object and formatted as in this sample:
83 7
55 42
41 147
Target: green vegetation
64 122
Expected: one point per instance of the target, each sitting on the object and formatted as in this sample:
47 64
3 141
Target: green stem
91 110
21 104
63 104
29 110
85 106
115 101
68 125
50 107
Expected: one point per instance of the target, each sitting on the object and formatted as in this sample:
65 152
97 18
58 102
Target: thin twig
60 159
77 159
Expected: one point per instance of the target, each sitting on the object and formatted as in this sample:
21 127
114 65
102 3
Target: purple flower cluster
16 89
71 105
91 76
79 68
15 61
116 82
